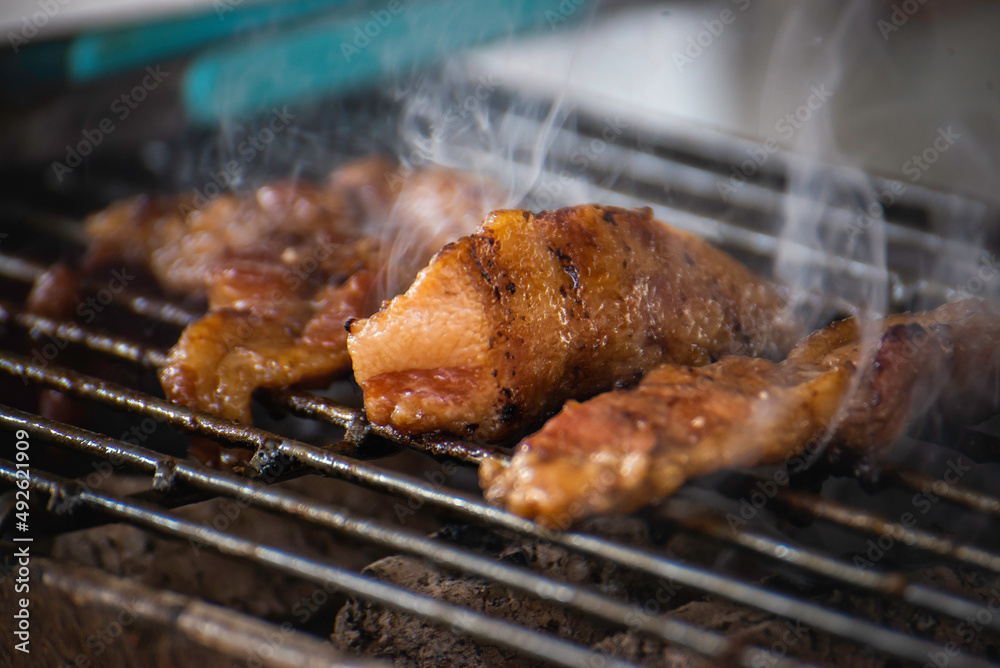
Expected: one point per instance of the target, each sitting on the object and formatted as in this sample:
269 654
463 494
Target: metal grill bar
679 174
71 332
687 145
870 523
26 271
308 405
712 229
271 446
208 625
53 225
19 269
889 584
919 482
298 402
747 240
544 647
165 468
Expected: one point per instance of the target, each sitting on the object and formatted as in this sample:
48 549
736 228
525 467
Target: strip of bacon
626 449
506 324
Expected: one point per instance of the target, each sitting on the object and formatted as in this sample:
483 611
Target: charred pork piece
314 231
227 354
283 269
506 324
625 449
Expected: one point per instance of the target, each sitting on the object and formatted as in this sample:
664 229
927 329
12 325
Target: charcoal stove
160 482
140 556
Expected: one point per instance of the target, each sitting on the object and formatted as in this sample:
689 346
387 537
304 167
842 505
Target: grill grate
934 241
350 460
168 472
181 617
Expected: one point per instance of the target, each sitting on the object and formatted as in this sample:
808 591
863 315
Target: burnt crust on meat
532 309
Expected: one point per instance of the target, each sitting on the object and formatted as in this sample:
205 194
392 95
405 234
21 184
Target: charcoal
374 631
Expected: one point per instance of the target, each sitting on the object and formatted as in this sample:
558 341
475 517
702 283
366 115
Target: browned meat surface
55 293
506 324
311 230
283 269
222 358
181 244
625 449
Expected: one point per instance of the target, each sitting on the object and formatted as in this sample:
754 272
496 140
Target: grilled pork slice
310 230
625 449
222 358
506 324
283 269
